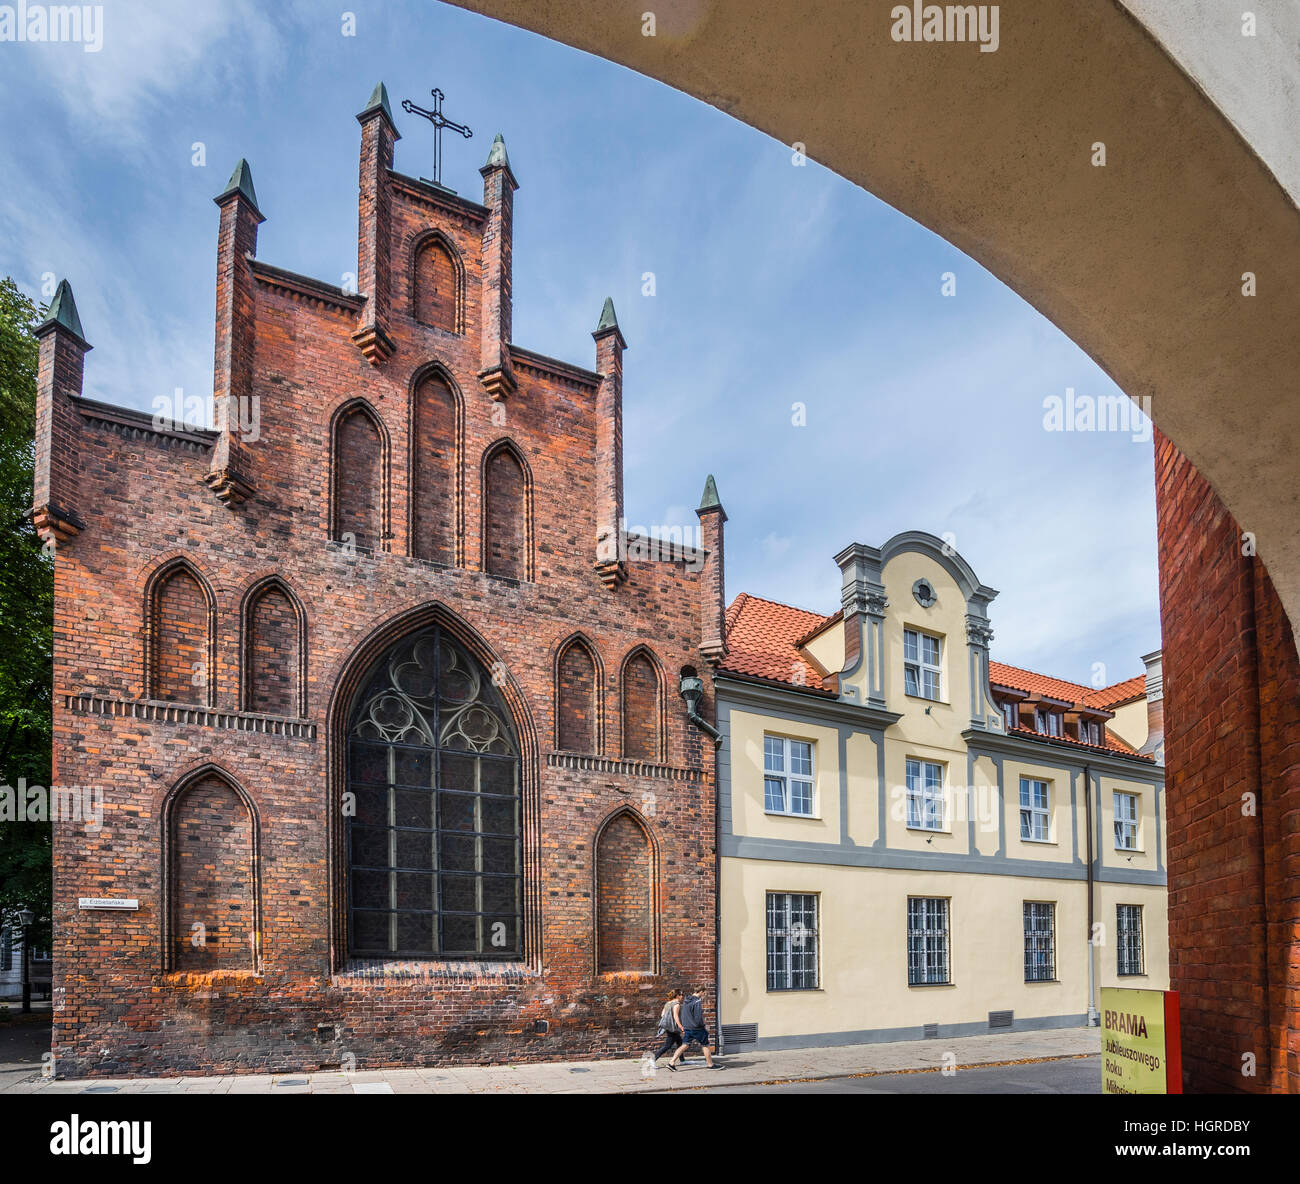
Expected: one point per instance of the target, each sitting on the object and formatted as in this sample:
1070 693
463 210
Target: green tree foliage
26 620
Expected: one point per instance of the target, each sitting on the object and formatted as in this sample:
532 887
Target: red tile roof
764 636
1037 684
1120 692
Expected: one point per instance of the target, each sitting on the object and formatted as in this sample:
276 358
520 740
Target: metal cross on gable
439 121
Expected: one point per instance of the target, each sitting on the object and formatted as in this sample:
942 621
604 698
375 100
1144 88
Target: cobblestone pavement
613 1076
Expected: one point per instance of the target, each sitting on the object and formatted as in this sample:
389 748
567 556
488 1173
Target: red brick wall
624 915
272 654
640 709
212 879
310 1003
576 725
1232 756
180 639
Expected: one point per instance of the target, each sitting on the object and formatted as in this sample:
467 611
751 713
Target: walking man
694 1029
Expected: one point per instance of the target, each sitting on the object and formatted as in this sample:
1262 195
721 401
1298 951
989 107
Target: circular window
923 590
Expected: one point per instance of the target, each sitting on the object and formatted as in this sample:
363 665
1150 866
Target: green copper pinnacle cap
710 500
378 102
497 155
241 181
609 323
63 312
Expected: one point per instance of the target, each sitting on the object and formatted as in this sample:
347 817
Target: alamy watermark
57 23
1100 413
946 22
66 803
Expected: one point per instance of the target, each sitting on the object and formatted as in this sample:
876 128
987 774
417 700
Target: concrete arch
1140 262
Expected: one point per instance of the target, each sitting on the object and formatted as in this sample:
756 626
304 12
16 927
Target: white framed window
787 776
924 795
1010 714
791 941
927 940
1126 821
1035 810
1089 731
1128 929
1040 941
922 664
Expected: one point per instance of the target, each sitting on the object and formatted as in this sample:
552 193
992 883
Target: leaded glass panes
434 848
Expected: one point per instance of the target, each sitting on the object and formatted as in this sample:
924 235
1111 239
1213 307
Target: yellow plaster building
914 840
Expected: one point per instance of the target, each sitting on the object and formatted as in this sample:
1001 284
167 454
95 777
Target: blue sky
774 285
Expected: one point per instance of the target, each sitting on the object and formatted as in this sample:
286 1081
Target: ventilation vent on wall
734 1035
1001 1019
932 1031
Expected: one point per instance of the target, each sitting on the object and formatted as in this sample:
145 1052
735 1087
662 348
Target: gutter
1092 945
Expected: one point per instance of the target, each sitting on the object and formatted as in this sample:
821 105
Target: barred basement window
924 795
787 776
922 674
1126 821
791 941
1128 928
1040 941
434 859
1035 821
927 940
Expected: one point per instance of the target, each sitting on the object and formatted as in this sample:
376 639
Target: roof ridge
1040 674
812 612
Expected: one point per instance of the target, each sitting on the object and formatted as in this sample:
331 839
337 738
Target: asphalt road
1081 1075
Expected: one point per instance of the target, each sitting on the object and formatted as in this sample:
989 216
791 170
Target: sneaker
672 1066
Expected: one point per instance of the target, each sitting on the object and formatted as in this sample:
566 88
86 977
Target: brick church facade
384 713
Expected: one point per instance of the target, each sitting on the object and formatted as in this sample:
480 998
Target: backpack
666 1023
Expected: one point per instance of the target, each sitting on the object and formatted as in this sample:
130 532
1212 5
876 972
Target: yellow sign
1141 1050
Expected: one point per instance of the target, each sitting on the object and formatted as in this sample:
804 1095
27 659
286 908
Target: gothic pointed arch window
436 284
211 876
577 698
360 451
641 708
435 469
625 867
434 835
179 629
507 511
274 666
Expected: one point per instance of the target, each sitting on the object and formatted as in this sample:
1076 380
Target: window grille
1040 941
791 941
927 940
1128 928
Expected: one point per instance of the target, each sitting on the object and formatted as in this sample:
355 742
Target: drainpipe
1092 947
691 689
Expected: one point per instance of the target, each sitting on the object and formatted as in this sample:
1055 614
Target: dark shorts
698 1036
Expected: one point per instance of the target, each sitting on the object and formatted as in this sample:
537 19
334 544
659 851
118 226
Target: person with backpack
670 1027
694 1029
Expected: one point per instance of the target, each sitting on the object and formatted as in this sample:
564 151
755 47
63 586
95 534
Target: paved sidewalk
617 1076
